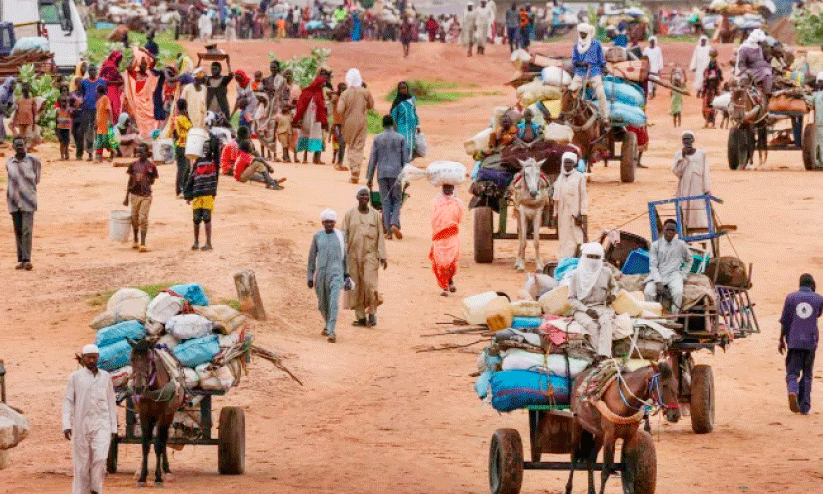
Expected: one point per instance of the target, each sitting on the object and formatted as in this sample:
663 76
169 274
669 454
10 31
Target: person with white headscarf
592 290
485 18
691 166
570 206
699 63
89 421
468 33
365 253
655 55
353 108
750 60
327 271
204 27
588 59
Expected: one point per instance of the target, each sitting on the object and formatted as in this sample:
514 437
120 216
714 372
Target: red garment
228 156
445 250
242 78
432 28
114 81
243 161
313 91
641 133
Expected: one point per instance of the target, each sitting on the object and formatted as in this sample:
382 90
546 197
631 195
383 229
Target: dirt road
374 416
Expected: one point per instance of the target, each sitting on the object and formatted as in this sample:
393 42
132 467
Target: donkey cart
230 440
550 429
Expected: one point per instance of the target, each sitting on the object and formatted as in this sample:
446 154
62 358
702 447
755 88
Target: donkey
748 110
157 396
616 414
531 193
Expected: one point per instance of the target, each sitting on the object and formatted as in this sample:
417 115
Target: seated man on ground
591 293
667 257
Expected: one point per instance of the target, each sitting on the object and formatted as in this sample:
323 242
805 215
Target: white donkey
531 193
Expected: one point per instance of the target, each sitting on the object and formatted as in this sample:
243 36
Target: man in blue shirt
799 334
588 59
388 154
88 111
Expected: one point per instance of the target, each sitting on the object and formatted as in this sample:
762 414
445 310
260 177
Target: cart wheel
505 462
628 157
640 463
733 149
808 148
702 401
231 447
483 236
111 461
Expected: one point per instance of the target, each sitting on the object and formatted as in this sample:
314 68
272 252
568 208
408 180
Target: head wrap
588 269
328 215
567 155
584 44
242 78
90 349
687 133
361 189
122 120
400 97
653 38
353 78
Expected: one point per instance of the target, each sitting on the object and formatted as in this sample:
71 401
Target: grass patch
375 122
686 38
431 92
99 47
231 302
102 298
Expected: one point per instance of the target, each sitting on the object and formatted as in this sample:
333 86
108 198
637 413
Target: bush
43 86
809 28
304 69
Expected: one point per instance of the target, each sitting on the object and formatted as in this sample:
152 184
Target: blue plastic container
637 262
522 322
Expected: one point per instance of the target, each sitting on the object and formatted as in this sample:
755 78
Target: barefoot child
258 79
283 130
63 125
25 116
336 134
182 124
201 191
142 174
678 80
104 120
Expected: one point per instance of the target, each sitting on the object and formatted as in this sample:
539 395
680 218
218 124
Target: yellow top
182 124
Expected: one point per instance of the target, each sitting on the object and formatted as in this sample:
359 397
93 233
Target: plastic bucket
196 142
162 150
119 226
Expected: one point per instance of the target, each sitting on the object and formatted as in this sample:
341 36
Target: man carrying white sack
570 206
587 58
89 421
667 257
592 290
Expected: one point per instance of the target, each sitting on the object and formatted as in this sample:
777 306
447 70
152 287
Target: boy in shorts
142 174
201 190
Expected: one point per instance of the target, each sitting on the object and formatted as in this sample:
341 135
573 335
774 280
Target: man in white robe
89 421
691 166
204 27
570 206
655 55
469 27
700 61
592 290
667 259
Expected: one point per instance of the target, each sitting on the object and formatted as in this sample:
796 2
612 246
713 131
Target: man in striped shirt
24 175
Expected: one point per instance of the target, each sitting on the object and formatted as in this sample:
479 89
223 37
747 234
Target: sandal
360 323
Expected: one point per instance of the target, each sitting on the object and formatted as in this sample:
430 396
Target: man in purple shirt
799 334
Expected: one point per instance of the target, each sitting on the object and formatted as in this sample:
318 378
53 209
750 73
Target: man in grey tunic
591 293
667 257
327 272
750 60
469 27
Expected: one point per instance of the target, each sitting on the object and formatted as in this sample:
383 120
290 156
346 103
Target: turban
361 189
687 133
328 215
353 78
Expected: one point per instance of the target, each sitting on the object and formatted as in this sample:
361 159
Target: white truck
58 20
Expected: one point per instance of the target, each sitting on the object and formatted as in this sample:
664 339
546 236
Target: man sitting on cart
751 61
667 257
591 293
588 61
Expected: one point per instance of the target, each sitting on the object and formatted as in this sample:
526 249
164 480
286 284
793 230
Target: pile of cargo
13 429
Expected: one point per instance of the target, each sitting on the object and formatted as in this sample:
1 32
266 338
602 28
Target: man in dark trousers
388 154
23 176
799 334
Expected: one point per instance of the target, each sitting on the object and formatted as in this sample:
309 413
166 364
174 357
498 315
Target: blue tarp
519 388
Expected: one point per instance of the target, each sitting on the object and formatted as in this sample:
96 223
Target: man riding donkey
588 62
752 62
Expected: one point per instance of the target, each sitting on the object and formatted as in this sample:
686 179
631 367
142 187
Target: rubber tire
111 460
231 447
505 462
733 149
702 399
643 460
628 157
808 147
483 235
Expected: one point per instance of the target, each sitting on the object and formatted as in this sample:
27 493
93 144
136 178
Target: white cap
687 133
328 215
570 156
819 77
90 349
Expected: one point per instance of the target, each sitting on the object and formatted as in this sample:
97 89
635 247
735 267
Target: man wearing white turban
353 106
691 166
592 290
365 253
327 272
570 206
750 59
655 55
89 421
588 59
469 27
700 61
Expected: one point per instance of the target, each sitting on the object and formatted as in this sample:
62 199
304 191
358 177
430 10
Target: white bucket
162 151
196 142
119 226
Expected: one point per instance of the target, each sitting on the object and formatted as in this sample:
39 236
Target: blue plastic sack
198 351
501 178
520 388
481 386
565 267
523 322
192 292
619 91
120 331
626 114
114 356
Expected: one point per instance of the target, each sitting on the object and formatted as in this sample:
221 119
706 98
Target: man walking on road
89 421
21 192
799 334
388 154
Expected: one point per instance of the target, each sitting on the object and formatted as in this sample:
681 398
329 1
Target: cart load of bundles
206 342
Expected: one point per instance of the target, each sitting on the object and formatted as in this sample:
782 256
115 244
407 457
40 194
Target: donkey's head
142 364
531 176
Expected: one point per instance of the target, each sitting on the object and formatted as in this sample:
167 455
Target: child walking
182 124
336 134
25 117
201 190
678 79
142 174
63 125
104 120
283 130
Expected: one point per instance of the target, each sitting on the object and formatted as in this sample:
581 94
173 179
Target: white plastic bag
13 427
479 142
420 145
555 76
163 307
190 377
446 172
189 326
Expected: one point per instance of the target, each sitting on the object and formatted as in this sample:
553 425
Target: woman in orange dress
445 252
